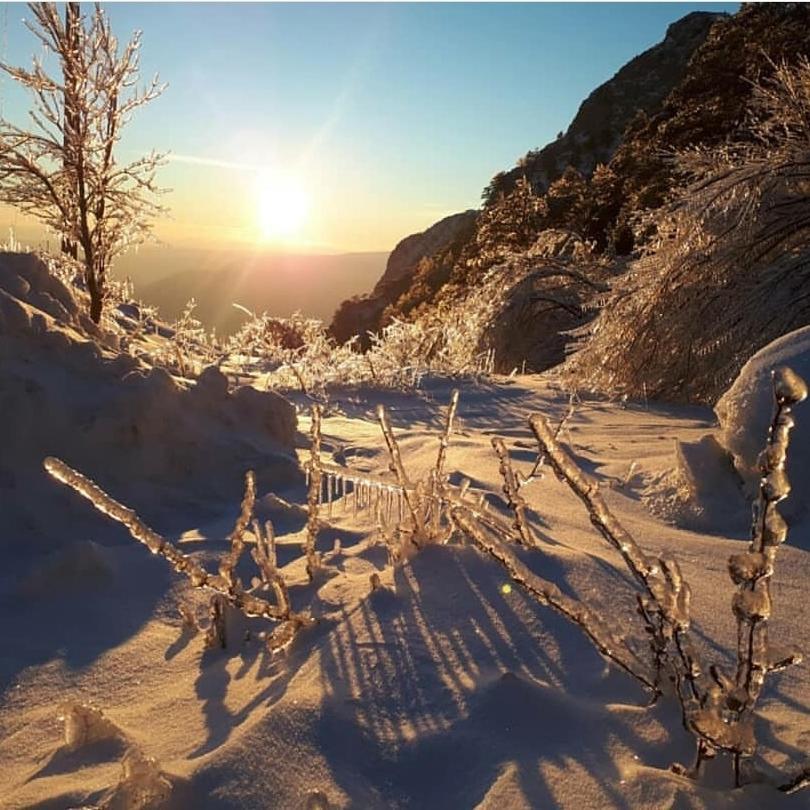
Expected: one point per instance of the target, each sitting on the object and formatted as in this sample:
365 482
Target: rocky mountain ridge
592 138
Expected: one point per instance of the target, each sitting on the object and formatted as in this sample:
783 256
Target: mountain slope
597 129
612 212
592 138
364 313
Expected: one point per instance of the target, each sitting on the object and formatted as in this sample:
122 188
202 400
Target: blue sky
386 116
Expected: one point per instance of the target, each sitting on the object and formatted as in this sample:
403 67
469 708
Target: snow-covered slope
442 688
154 441
745 412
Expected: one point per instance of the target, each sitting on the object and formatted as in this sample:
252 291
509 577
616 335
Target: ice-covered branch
225 587
753 570
237 536
547 593
314 493
511 489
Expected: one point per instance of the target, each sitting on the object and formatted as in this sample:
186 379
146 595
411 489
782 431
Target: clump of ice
745 412
85 725
142 786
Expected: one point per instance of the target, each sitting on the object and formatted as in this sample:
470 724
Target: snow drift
745 411
150 438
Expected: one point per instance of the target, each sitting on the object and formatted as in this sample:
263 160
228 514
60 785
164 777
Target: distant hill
168 277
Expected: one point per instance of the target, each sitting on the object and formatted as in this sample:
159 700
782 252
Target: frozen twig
228 563
315 472
444 439
398 469
511 489
227 588
664 605
536 470
752 571
547 593
264 555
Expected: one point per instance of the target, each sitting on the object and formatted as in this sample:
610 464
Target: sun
282 207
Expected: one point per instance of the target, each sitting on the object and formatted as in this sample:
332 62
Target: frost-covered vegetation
727 271
411 513
64 167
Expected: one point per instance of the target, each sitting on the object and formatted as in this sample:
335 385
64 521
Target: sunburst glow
282 207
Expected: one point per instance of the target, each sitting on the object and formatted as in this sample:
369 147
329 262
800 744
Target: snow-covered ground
441 689
446 687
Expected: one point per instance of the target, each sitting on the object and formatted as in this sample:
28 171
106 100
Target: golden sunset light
282 207
403 405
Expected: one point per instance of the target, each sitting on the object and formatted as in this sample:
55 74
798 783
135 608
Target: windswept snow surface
441 689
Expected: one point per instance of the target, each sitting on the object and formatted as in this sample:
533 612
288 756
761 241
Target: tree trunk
71 113
94 279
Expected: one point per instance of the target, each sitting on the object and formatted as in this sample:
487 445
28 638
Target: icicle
354 498
330 484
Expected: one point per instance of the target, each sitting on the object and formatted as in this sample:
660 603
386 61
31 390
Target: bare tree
63 169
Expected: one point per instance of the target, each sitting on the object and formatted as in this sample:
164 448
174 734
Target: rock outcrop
363 314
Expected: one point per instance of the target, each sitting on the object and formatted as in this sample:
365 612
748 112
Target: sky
345 127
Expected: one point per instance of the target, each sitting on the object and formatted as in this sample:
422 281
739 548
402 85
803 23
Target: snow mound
146 437
745 412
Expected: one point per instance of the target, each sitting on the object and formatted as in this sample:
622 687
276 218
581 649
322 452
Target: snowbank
746 409
150 440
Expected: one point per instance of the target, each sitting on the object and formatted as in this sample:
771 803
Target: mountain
541 304
641 86
363 313
593 136
279 284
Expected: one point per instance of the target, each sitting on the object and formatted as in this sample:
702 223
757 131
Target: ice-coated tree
512 222
62 169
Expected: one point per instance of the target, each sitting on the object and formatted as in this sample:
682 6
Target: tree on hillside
63 169
510 223
727 269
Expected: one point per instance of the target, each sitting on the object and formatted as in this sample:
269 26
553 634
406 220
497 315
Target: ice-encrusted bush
225 586
718 708
297 353
727 270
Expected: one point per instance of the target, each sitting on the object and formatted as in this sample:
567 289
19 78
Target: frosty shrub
297 353
727 271
718 708
226 586
66 169
190 347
